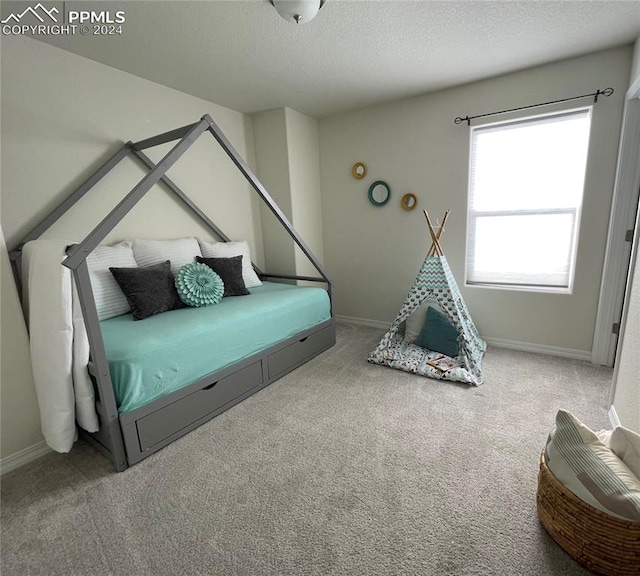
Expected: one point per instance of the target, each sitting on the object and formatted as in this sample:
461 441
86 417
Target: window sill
521 288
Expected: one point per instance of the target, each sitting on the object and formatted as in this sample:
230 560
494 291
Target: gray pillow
149 290
230 270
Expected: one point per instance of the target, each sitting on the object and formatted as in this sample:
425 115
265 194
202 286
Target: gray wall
374 253
306 198
272 165
61 116
288 164
19 414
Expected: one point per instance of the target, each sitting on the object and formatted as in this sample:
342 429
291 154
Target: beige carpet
341 467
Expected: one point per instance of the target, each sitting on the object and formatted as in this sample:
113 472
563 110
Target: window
525 194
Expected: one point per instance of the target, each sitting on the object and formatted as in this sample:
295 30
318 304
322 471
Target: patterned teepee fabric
434 283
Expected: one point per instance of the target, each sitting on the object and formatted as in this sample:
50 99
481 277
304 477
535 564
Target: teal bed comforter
152 357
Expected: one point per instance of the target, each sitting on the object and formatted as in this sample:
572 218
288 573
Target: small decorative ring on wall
409 201
359 170
379 193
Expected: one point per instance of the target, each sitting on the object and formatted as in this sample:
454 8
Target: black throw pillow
230 270
149 290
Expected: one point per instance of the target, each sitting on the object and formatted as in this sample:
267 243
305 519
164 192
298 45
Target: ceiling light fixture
298 11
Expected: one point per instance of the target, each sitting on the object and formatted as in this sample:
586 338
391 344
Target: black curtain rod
606 92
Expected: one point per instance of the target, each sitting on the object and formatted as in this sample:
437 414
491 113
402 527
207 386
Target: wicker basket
602 543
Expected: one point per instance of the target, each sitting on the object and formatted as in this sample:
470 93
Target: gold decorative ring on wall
409 201
359 170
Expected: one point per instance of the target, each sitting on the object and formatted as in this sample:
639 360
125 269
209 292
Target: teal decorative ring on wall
379 193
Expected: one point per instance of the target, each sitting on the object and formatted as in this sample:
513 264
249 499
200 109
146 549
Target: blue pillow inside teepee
438 334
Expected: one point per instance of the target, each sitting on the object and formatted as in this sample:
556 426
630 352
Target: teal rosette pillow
198 285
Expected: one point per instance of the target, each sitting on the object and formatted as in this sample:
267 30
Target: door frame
623 215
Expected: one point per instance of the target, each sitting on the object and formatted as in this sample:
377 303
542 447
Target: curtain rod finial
606 92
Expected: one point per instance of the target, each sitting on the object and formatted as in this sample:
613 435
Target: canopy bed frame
130 437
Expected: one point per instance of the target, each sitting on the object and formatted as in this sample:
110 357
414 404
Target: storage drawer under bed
147 430
299 352
172 418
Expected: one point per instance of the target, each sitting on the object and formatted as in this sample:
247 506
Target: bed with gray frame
129 437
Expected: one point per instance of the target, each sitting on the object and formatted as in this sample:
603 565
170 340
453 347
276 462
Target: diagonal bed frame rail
81 251
111 438
262 192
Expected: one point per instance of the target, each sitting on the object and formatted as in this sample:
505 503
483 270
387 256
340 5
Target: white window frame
576 211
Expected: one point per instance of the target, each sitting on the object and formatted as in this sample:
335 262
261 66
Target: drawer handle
304 339
210 386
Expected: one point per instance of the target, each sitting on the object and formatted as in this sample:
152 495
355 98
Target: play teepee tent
434 284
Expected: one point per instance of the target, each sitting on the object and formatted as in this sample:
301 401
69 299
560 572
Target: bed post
106 407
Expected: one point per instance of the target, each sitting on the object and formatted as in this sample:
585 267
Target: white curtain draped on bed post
59 345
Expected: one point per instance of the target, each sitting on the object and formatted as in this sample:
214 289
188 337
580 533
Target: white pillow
591 470
625 444
178 252
415 322
230 249
110 300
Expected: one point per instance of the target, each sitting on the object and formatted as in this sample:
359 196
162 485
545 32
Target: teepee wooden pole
441 229
435 243
436 249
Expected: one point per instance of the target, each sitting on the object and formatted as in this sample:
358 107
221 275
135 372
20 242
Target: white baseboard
540 348
498 342
613 417
23 457
364 322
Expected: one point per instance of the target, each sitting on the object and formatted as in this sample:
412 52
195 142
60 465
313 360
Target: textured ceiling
241 54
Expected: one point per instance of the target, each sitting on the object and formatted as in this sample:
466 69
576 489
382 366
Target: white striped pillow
591 470
178 252
229 250
625 444
110 300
